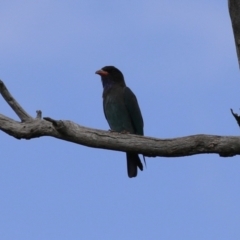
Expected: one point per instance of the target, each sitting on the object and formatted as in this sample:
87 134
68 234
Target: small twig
236 116
39 114
22 114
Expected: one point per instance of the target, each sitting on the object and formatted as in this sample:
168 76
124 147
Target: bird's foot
110 130
124 132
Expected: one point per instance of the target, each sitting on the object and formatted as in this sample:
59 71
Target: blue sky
179 58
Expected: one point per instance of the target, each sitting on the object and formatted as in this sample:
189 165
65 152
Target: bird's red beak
101 72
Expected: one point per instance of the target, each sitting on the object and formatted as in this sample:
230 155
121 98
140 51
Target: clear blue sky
179 58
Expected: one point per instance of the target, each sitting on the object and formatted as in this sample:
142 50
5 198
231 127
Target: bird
121 111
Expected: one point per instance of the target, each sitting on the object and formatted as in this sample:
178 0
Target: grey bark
30 127
234 11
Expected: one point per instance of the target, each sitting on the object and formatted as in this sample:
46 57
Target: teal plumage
121 110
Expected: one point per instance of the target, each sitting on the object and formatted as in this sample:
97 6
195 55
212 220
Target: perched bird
121 110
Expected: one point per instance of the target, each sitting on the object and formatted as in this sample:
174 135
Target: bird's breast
116 112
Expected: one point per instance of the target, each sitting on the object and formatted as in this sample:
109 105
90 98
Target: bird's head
111 76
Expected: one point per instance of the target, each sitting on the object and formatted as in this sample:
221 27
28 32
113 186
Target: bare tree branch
29 128
234 11
22 114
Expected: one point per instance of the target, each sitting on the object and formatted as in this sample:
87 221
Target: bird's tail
133 162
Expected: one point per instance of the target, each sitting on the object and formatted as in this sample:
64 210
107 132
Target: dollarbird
121 110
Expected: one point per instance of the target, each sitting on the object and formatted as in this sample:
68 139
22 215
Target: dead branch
30 127
234 11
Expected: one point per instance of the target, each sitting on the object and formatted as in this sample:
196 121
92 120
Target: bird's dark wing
133 110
